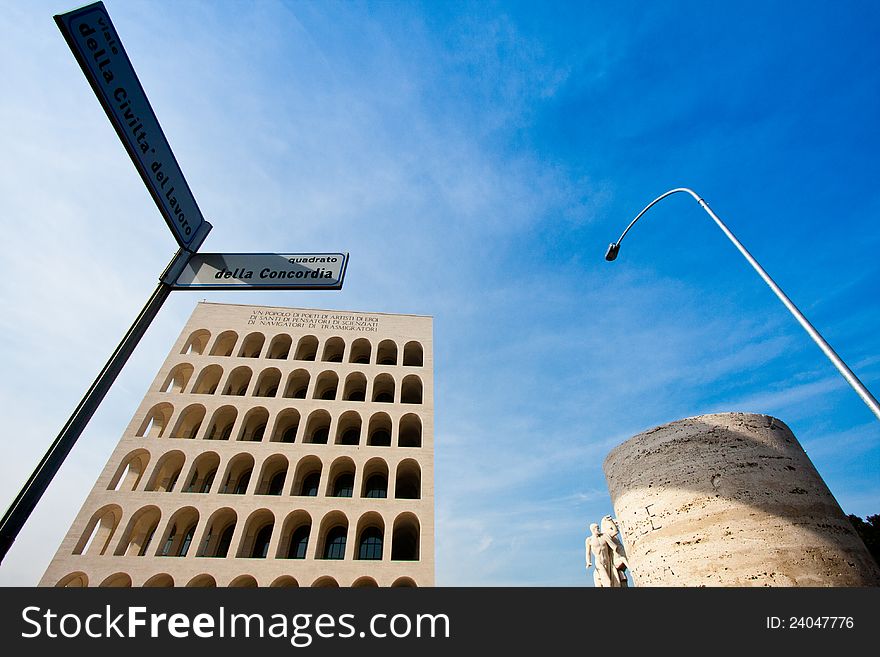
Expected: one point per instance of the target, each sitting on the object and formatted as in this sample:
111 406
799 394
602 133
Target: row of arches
275 477
280 347
258 425
257 538
299 384
164 580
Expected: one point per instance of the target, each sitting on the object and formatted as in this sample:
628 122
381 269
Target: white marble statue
604 550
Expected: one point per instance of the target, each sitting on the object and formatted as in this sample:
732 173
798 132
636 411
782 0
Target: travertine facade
276 447
731 499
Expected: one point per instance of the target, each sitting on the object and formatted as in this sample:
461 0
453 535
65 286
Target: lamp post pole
842 367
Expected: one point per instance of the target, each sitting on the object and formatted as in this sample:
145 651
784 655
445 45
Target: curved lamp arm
845 371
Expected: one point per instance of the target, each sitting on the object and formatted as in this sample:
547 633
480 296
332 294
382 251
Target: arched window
405 540
99 531
334 547
179 533
379 432
411 390
412 354
139 533
333 350
307 348
297 385
318 427
254 426
279 348
410 431
355 387
295 535
202 474
166 472
156 420
208 380
299 542
386 354
177 378
383 389
286 426
341 477
222 423
267 384
348 429
273 475
326 385
224 344
375 479
130 470
257 535
238 474
308 476
252 346
196 343
238 382
221 527
189 422
370 545
360 352
408 480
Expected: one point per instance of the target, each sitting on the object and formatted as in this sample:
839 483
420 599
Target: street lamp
852 379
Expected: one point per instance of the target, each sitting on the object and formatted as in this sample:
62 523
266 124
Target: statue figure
604 548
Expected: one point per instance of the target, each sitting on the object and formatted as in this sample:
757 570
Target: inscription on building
314 320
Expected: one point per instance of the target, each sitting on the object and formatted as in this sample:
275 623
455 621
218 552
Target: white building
275 447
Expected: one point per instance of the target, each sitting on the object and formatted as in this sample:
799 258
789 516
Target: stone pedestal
731 499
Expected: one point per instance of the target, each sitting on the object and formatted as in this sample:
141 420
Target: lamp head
612 251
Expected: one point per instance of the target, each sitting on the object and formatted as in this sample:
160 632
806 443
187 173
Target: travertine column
731 499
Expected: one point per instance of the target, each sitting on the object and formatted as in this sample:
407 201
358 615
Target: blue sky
475 159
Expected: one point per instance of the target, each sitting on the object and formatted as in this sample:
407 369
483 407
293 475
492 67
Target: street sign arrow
98 49
265 271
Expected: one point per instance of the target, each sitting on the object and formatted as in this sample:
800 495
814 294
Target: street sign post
99 51
265 271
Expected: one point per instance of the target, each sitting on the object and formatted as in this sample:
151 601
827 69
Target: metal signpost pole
36 485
